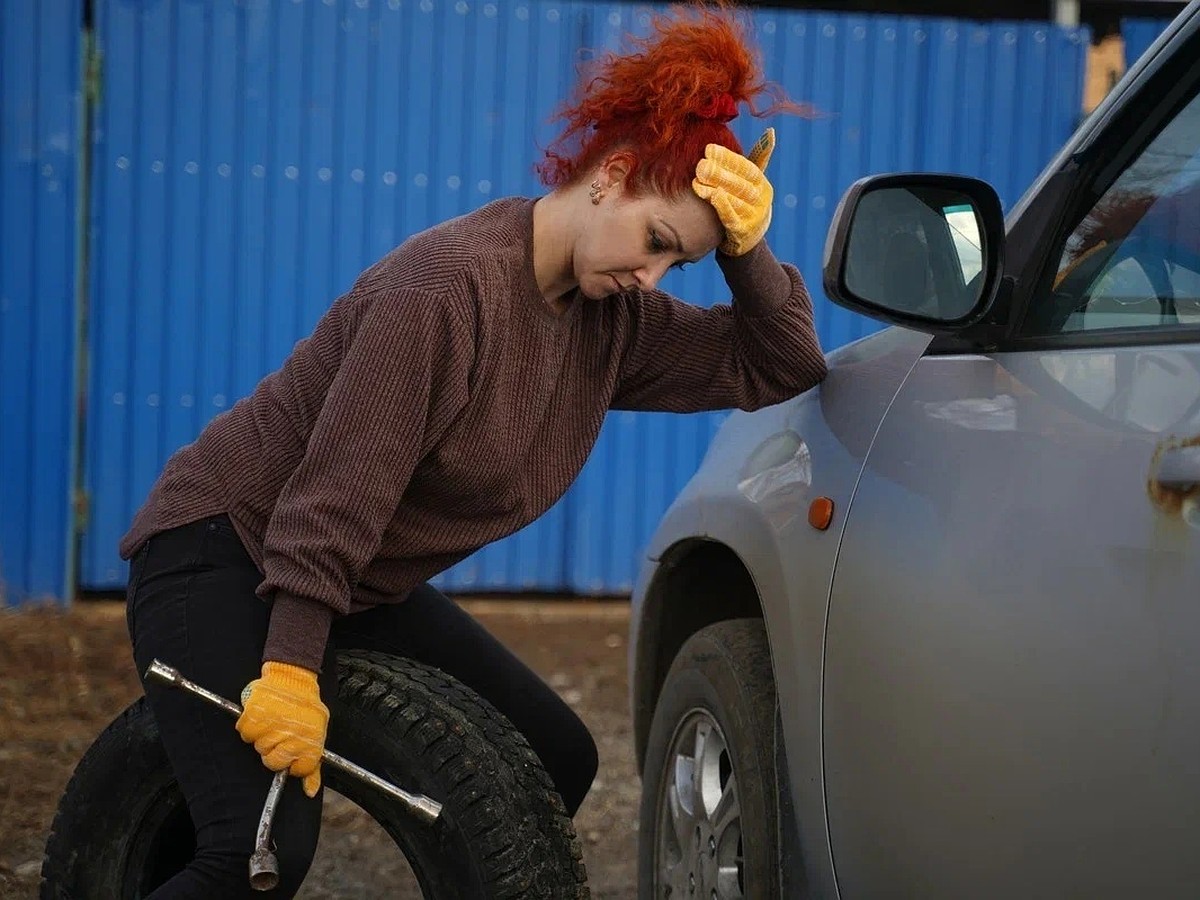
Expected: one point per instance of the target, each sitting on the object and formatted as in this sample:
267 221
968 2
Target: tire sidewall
109 837
737 693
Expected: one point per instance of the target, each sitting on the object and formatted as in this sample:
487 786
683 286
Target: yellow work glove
285 720
739 191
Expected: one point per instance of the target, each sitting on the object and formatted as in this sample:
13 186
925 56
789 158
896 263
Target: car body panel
1011 644
751 494
1098 656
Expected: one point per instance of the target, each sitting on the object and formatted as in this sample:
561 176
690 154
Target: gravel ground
65 674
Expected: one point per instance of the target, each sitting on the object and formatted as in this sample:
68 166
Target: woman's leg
192 605
431 628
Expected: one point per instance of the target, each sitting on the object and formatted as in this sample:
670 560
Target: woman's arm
399 384
760 350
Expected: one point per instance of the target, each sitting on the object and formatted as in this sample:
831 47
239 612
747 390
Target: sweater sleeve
402 378
761 349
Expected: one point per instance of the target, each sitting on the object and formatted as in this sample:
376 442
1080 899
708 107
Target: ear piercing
594 193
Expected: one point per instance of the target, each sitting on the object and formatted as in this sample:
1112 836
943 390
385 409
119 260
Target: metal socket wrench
264 867
423 808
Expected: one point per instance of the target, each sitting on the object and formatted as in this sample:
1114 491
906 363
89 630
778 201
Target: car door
1012 669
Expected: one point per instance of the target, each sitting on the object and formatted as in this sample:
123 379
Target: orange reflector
820 513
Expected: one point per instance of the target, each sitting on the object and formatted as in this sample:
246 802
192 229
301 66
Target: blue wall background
40 106
1138 34
251 157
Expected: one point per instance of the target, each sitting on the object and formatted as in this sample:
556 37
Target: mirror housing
925 250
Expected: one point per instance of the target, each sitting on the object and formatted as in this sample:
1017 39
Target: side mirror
921 250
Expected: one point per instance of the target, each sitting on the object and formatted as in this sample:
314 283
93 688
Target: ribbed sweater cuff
758 282
298 632
295 678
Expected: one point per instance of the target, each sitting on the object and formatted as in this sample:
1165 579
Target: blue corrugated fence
1138 34
39 157
251 157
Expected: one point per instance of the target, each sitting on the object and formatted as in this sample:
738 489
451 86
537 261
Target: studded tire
122 827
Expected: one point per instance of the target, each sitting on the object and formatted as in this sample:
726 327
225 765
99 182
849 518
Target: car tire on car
122 827
708 823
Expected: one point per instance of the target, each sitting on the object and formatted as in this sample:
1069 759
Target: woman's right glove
285 720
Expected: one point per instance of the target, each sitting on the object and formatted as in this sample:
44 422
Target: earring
594 193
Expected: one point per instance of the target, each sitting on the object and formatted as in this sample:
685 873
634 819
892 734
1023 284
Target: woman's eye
656 243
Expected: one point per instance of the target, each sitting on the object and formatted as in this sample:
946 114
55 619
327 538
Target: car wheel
708 823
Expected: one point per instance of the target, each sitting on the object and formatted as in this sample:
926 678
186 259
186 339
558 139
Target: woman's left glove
285 720
739 191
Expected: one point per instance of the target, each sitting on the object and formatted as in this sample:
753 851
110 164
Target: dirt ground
65 674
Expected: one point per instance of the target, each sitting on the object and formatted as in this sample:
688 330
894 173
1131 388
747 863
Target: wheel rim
699 835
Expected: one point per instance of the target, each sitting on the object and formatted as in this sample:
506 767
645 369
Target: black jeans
191 603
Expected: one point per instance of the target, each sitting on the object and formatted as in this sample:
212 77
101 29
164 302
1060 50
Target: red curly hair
661 104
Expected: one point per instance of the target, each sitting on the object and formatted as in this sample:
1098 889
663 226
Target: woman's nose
649 276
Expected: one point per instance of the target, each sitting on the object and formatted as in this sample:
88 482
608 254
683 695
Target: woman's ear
615 169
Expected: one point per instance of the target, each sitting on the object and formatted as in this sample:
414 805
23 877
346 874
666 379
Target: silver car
932 629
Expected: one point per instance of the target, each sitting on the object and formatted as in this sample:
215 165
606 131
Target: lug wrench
264 869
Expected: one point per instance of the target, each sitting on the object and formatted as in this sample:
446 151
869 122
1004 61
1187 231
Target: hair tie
720 108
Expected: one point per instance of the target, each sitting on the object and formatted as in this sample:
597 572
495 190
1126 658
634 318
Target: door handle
1179 467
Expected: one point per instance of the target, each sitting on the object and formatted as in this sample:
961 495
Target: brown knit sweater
441 405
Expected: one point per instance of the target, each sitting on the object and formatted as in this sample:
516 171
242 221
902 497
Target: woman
446 401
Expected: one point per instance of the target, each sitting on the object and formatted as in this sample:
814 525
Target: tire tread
443 713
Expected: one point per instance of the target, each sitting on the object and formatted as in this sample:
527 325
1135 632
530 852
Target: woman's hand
739 191
285 720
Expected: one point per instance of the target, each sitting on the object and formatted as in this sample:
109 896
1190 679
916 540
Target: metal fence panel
256 155
1138 34
39 157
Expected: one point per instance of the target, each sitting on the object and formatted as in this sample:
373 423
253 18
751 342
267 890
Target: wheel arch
698 582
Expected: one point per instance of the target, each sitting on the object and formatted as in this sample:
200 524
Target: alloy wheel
699 835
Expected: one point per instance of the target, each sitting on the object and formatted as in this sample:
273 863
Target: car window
1133 260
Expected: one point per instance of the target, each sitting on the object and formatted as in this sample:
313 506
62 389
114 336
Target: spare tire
122 827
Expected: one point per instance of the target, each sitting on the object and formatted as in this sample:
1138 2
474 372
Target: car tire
710 829
122 826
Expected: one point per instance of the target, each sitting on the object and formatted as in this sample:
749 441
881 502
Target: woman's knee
572 761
